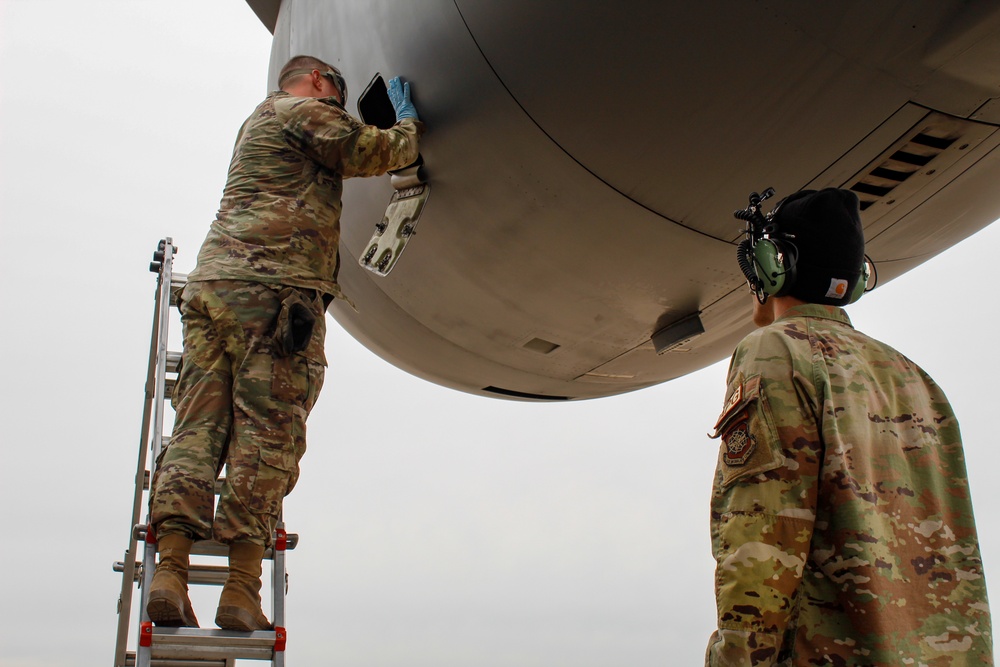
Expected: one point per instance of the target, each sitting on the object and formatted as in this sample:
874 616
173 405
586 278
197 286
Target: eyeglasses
337 79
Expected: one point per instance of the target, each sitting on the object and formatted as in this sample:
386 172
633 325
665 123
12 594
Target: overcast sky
463 530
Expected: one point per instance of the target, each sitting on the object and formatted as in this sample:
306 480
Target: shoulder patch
747 433
743 392
731 404
738 442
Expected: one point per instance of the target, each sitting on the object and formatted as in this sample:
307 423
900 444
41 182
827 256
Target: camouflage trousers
238 403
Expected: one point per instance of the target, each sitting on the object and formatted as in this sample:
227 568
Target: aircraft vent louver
905 161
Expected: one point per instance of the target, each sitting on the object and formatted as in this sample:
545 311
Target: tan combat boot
168 603
239 605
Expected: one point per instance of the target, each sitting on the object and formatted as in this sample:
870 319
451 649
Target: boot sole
166 609
239 619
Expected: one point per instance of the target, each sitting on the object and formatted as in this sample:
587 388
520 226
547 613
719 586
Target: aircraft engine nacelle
585 161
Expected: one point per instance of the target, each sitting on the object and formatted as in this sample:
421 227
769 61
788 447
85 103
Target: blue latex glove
399 95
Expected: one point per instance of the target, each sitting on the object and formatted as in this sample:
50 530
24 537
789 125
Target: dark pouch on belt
294 326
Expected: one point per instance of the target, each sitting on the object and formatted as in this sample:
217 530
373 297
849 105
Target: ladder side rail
279 583
128 573
166 278
143 653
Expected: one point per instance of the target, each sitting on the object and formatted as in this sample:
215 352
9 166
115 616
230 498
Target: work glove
399 95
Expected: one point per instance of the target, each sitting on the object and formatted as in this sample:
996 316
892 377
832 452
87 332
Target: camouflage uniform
842 524
238 400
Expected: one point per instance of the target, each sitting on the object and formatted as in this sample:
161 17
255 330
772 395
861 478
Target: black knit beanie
826 225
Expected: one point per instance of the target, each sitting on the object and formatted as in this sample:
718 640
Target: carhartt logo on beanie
826 225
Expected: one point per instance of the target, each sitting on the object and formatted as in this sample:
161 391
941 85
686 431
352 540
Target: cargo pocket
276 471
274 462
295 384
749 440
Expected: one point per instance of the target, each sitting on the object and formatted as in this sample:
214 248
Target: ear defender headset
768 257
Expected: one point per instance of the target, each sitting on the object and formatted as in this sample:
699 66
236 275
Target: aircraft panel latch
399 223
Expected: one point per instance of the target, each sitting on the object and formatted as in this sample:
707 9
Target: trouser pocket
294 325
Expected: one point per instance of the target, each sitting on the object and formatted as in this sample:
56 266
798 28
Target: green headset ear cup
859 289
771 271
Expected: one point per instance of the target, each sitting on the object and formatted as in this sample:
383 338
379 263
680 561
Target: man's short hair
296 63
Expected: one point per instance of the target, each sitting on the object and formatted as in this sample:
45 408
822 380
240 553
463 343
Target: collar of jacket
332 101
819 310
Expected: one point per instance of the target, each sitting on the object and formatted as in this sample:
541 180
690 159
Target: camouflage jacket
842 524
279 220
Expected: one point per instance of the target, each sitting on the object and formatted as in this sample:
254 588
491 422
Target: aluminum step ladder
183 647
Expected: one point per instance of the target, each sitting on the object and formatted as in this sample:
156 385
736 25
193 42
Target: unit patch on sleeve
746 431
738 443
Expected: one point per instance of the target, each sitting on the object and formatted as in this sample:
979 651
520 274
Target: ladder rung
177 283
173 361
211 575
212 548
196 643
130 662
172 366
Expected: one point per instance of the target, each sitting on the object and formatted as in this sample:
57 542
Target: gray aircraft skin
585 159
